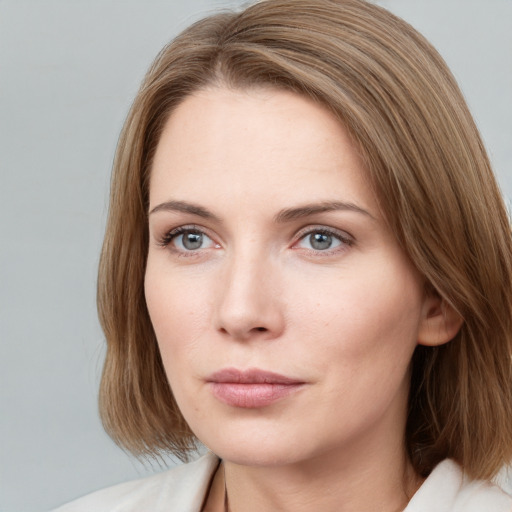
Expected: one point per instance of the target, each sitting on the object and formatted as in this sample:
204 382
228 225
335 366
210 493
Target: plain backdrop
69 70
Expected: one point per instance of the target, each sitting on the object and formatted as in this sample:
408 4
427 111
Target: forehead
261 141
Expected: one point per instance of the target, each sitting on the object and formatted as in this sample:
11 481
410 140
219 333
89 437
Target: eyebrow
286 215
182 206
300 212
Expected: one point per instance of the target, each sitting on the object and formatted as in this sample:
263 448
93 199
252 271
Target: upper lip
250 376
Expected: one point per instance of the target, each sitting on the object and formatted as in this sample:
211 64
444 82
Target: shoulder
448 490
183 487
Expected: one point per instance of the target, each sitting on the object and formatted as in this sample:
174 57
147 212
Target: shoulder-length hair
427 164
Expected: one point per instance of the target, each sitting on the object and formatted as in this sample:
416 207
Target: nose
249 301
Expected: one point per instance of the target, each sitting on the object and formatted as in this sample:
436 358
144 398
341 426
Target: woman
307 267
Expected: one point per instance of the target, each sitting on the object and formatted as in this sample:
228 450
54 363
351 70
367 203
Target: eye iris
320 241
192 241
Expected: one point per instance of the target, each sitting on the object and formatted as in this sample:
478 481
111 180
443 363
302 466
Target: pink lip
251 388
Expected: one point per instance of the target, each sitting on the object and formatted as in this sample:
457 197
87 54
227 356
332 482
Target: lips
251 389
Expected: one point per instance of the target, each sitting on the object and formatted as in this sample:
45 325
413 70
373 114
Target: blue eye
322 240
190 241
187 239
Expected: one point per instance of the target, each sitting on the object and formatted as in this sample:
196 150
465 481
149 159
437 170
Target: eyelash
345 239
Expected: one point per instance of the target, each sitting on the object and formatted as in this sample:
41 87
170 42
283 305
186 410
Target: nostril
261 329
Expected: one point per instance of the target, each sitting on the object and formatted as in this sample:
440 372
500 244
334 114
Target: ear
440 322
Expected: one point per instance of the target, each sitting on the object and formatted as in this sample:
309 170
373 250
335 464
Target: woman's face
285 312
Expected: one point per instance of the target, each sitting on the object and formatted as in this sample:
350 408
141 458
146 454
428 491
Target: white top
183 488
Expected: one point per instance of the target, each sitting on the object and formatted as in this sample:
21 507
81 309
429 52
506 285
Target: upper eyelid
342 234
180 228
165 237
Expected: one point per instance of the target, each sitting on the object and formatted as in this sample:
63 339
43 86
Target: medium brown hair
427 163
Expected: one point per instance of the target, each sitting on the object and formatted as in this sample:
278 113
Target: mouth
251 389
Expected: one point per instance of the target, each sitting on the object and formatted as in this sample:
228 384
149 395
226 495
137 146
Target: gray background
68 72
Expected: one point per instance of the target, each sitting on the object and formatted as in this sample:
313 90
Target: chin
269 449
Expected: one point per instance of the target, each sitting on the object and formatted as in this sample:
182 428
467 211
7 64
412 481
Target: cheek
177 311
365 320
363 346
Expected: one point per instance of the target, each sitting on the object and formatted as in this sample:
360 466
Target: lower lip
252 396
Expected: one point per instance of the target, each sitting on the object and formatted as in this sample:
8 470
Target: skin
257 292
